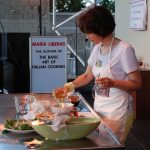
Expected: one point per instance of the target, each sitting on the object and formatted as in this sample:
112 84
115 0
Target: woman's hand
105 82
60 92
66 89
133 83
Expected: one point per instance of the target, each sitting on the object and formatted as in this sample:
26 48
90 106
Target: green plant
77 5
108 4
70 5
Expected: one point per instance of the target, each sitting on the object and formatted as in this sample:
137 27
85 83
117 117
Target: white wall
140 40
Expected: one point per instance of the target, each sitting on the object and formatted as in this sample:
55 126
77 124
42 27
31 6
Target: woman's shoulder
122 48
95 49
124 44
93 54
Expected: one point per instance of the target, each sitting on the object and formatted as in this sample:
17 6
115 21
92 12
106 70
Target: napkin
59 121
35 108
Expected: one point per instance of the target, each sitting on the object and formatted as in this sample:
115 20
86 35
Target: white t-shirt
121 63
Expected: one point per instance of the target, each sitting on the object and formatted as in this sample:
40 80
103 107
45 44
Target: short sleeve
129 60
90 60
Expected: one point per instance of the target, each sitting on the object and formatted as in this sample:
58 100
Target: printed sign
48 57
138 14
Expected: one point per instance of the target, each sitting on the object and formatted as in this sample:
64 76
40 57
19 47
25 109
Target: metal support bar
54 27
68 19
1 78
40 16
71 49
54 14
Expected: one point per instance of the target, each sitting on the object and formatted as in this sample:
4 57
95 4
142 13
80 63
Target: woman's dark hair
97 20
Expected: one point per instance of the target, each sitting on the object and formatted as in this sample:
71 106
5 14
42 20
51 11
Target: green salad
18 124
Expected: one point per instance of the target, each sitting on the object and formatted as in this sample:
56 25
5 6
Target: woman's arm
82 80
132 84
85 78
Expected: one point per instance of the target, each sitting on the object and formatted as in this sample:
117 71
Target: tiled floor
139 136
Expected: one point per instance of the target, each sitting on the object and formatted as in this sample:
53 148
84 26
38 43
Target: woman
114 66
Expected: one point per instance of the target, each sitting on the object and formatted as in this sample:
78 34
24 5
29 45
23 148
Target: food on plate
20 124
45 114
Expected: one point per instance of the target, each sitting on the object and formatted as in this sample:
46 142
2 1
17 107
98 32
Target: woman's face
94 38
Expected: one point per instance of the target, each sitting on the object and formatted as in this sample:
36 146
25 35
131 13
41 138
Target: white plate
19 131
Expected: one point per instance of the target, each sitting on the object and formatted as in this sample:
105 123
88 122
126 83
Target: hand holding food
59 93
69 87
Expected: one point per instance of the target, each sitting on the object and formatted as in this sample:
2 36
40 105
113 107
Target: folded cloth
59 121
37 107
29 116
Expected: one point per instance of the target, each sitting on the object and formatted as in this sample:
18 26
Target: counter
105 139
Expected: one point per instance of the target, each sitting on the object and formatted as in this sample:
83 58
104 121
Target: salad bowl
75 128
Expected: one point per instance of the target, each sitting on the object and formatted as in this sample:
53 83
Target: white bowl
65 108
